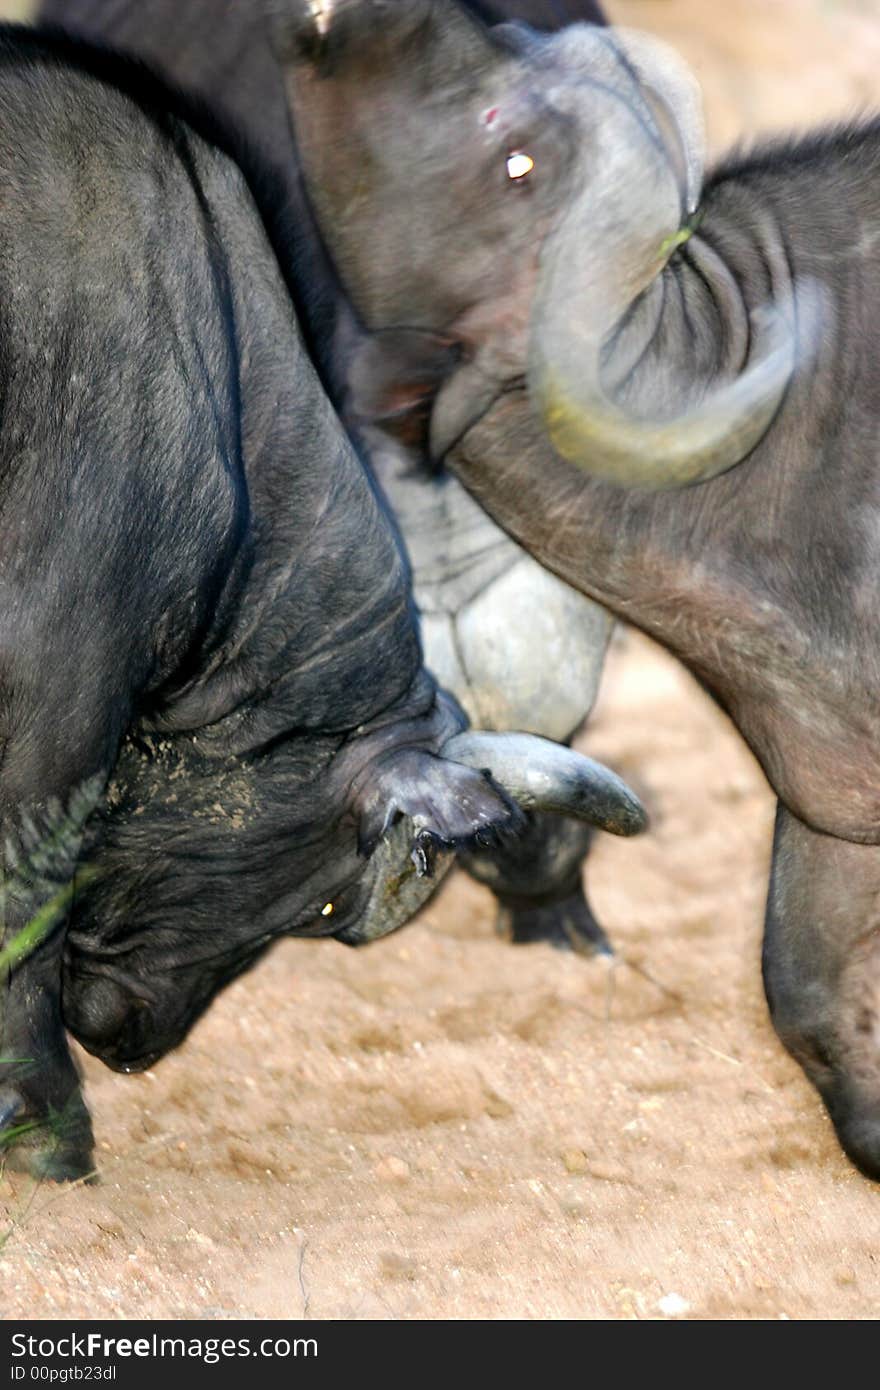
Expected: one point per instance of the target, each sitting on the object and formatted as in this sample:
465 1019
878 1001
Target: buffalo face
199 864
513 197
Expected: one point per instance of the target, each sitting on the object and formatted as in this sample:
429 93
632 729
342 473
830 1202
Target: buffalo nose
109 1021
96 1010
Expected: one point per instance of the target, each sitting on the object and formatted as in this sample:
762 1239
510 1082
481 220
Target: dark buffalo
203 600
672 329
518 648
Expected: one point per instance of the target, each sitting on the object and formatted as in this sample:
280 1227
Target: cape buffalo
537 207
518 648
203 601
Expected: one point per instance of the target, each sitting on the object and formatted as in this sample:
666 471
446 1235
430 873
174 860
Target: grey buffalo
206 619
664 385
519 648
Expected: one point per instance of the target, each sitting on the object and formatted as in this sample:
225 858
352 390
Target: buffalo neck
764 581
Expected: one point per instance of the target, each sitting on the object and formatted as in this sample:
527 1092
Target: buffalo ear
394 376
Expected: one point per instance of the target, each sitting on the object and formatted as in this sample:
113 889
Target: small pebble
672 1305
391 1169
198 1239
496 1106
575 1161
396 1266
608 1172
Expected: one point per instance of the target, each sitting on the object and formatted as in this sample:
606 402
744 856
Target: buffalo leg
822 974
538 883
49 779
44 1124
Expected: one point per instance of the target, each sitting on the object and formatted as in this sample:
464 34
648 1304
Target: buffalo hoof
58 1148
861 1143
857 1122
569 925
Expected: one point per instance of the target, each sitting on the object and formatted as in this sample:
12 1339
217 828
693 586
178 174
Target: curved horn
672 103
642 182
544 776
398 890
537 774
589 430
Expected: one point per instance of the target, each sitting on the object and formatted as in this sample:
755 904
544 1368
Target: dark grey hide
670 329
202 599
518 648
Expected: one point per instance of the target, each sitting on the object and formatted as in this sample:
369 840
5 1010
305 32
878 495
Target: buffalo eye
519 166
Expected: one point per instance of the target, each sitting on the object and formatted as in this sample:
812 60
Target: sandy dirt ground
444 1126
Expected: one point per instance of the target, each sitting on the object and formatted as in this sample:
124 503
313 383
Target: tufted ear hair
393 380
396 371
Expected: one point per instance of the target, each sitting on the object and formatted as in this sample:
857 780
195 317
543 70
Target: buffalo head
198 864
512 196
